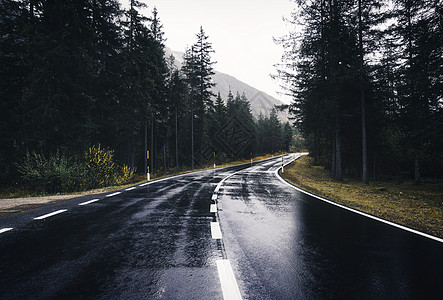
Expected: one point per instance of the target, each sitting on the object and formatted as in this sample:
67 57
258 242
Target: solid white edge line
5 229
227 280
51 214
113 194
213 208
215 230
89 202
131 188
356 211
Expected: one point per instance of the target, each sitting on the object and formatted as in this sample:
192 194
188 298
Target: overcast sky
240 31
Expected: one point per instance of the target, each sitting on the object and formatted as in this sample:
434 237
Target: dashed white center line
51 214
215 230
89 202
227 280
113 194
131 188
213 208
5 229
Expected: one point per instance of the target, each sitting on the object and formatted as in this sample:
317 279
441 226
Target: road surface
263 240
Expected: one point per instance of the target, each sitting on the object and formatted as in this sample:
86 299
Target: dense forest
84 76
366 78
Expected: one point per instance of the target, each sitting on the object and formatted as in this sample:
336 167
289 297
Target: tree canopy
79 74
366 83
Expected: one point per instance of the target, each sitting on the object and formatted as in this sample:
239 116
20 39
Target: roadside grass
19 192
418 207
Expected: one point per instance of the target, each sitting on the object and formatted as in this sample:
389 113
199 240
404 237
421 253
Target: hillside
260 101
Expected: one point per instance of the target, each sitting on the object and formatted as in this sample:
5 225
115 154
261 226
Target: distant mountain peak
261 103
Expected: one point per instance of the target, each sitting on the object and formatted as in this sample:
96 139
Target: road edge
295 157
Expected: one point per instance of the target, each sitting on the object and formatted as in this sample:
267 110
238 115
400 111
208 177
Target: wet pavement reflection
154 242
284 244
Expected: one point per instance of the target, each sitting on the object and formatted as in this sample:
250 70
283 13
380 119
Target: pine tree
419 29
220 113
198 71
15 35
368 19
287 136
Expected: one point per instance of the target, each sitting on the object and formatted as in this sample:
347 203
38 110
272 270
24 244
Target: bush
126 175
102 171
56 174
60 173
100 166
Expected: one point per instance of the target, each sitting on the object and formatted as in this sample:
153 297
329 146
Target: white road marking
214 197
89 202
146 183
227 280
213 208
356 211
215 230
5 229
51 214
131 188
113 194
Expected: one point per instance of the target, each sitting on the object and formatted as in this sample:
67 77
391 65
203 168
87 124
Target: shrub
100 166
58 173
126 175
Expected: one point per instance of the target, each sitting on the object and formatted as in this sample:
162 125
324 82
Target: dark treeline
80 73
367 86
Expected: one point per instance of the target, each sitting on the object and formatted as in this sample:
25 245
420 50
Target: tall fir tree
198 69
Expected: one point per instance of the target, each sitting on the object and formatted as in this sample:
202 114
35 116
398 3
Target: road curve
230 233
151 241
285 244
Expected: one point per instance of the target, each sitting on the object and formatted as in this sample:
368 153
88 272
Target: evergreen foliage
75 74
365 71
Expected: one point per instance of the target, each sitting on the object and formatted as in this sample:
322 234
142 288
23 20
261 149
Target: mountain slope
261 103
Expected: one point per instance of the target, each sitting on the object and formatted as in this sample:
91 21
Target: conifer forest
366 79
89 80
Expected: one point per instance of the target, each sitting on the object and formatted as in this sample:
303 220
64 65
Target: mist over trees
75 74
367 86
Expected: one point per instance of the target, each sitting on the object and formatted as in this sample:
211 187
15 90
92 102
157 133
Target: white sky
240 31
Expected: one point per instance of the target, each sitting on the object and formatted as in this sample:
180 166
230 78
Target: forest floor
16 199
419 207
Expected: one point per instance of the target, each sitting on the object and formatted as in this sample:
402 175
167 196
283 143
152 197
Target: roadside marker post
148 175
282 166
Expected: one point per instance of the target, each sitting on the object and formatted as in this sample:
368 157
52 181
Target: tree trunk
333 158
176 138
151 156
362 99
338 154
146 147
416 167
192 132
363 139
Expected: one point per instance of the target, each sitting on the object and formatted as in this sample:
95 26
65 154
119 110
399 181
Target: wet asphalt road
284 244
154 242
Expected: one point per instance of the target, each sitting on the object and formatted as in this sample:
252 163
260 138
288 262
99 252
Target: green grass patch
416 206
